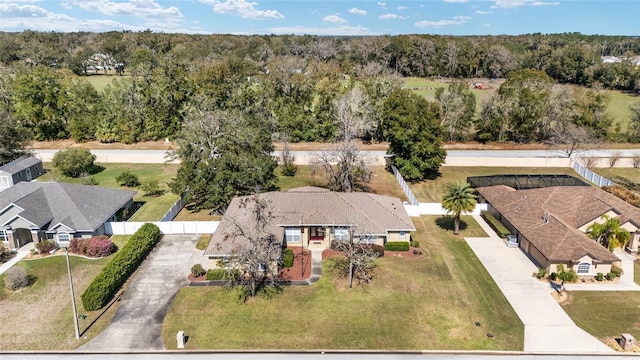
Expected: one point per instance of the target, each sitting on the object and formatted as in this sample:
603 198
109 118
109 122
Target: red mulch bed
329 253
295 272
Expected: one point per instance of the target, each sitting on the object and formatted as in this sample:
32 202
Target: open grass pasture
605 314
433 190
154 207
40 317
422 303
627 173
100 81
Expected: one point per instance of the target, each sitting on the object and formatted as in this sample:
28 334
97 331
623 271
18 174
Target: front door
316 237
28 174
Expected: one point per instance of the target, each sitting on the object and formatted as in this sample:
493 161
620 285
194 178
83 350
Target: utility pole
73 298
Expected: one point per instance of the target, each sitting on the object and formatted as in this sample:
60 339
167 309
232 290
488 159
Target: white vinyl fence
173 212
166 227
405 186
590 175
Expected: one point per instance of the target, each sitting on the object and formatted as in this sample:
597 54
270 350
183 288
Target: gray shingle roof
371 214
80 207
567 208
19 164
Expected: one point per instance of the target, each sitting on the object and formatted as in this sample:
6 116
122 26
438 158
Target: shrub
553 276
542 272
611 276
15 278
197 270
128 179
89 180
221 274
289 169
566 276
96 246
377 249
45 246
74 162
287 258
496 225
107 283
617 270
599 276
396 246
414 243
152 188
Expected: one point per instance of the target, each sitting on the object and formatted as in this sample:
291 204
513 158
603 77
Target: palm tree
459 198
609 233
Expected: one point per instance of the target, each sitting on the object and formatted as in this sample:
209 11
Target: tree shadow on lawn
447 223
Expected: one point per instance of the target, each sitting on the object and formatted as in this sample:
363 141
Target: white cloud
402 8
334 19
244 9
334 30
544 3
138 8
457 20
506 4
357 11
480 12
382 3
456 1
486 25
391 16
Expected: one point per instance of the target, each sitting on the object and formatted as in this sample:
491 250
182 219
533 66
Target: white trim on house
4 182
18 216
9 207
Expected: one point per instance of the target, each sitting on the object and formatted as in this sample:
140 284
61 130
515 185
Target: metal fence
405 186
173 211
166 227
590 175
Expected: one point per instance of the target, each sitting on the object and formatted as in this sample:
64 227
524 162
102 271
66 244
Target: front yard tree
223 154
358 260
459 198
412 126
609 233
258 255
74 162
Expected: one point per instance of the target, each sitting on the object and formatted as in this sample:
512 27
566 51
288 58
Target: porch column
12 243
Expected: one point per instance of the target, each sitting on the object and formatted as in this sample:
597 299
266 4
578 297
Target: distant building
25 168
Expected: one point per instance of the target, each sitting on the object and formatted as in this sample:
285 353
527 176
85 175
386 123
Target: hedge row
496 225
107 283
396 246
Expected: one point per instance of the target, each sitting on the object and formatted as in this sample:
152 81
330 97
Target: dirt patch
562 298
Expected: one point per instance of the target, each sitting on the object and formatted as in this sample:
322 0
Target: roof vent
545 217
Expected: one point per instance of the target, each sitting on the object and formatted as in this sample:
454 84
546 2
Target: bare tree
636 162
256 254
358 263
571 138
614 158
288 159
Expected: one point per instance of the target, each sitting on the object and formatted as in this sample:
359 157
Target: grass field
433 190
154 207
618 106
636 272
424 303
40 316
100 81
627 173
605 314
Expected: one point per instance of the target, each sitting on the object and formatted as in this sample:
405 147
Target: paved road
137 324
547 328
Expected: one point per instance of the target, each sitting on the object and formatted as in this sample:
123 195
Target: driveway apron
137 324
547 328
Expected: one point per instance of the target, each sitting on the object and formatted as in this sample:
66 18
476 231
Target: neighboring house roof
370 214
566 208
19 164
78 207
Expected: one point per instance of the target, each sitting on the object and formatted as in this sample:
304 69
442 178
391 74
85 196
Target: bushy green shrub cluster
616 270
414 243
611 276
396 246
541 273
221 274
197 270
128 179
566 276
287 258
74 162
599 276
105 285
496 225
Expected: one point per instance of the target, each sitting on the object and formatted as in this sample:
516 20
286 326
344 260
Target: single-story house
313 217
34 211
551 223
25 168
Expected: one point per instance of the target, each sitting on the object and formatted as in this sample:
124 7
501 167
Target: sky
325 17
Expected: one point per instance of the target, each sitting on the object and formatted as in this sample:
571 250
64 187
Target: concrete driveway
137 324
547 328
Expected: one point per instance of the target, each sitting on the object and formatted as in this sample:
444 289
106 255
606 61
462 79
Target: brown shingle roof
370 213
567 208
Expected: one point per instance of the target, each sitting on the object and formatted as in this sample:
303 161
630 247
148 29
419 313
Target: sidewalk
547 328
22 252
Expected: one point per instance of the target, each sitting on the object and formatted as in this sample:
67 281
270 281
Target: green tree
459 198
634 125
14 138
128 179
609 233
74 162
223 154
457 108
411 124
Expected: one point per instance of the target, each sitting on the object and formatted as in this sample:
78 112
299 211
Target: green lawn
154 207
618 107
636 272
100 81
40 315
433 190
605 314
628 173
424 303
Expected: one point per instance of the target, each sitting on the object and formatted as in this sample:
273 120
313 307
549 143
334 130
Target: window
402 234
63 237
3 236
292 235
4 182
584 268
367 240
341 234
